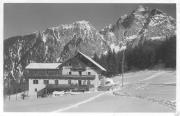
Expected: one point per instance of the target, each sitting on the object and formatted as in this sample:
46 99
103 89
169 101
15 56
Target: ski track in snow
152 76
80 103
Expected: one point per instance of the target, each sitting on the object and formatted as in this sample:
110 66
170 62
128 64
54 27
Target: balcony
37 73
65 77
81 77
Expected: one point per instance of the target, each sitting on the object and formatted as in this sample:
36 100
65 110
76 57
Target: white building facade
79 70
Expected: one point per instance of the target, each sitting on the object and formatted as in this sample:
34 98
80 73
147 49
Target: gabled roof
91 60
43 66
56 65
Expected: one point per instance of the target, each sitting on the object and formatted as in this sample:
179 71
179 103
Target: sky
25 18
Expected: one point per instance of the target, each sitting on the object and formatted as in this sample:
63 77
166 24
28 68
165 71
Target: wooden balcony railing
66 77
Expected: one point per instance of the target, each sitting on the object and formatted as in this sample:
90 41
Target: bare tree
125 24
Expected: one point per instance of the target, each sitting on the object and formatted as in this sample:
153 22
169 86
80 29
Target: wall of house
33 86
41 84
65 71
95 82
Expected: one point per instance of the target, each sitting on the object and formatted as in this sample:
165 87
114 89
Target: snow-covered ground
144 91
157 87
47 104
110 103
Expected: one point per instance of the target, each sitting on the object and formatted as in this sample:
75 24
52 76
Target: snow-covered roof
43 66
94 62
56 65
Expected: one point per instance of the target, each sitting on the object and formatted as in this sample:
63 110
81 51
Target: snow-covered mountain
57 44
141 24
54 44
66 39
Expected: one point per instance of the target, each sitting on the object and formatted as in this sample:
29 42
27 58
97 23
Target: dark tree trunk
9 94
122 67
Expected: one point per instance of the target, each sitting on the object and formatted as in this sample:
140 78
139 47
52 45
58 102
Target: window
69 82
79 82
80 73
56 82
89 73
107 82
69 73
84 82
35 81
46 82
88 82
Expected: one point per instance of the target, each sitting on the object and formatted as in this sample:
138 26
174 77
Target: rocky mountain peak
60 42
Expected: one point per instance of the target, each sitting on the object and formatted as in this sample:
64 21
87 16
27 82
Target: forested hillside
149 55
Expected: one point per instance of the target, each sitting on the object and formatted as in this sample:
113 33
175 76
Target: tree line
149 55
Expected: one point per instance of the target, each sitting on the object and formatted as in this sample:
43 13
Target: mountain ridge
56 44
